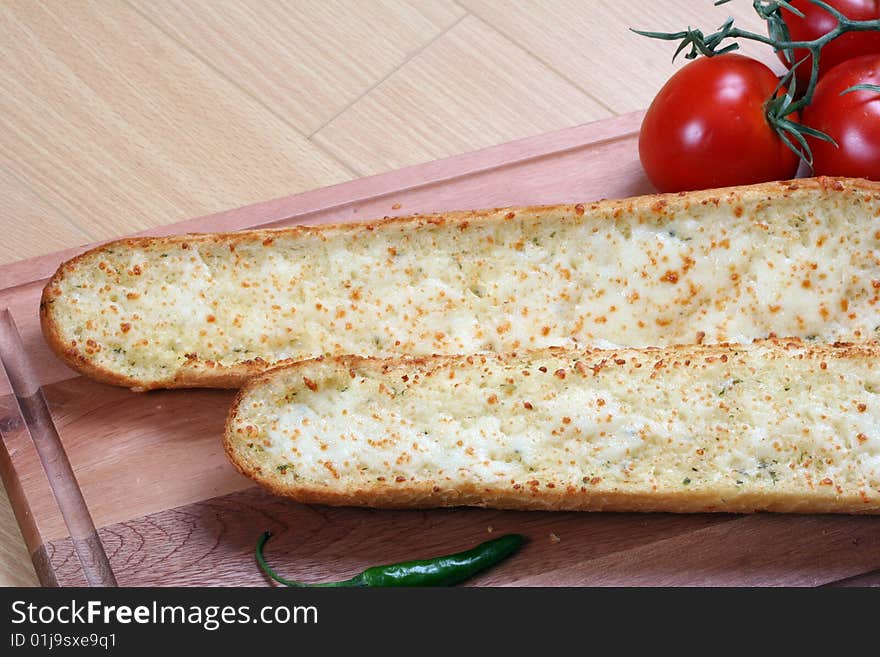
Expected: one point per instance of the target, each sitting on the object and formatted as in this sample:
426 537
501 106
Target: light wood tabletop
120 116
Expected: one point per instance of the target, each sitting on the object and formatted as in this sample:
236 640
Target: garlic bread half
791 259
777 425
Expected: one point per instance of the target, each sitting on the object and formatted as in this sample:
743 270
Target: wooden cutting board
112 487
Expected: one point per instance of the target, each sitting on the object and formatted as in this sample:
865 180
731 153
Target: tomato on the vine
817 22
707 128
852 120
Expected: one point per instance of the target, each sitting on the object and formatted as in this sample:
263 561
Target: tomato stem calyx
778 110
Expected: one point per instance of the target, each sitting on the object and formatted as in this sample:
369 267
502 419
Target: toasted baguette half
771 426
797 258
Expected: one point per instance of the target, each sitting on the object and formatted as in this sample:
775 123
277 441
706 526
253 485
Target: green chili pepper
440 571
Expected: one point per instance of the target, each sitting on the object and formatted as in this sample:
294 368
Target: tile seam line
216 71
509 37
384 78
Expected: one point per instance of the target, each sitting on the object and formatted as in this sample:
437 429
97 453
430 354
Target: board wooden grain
211 543
99 475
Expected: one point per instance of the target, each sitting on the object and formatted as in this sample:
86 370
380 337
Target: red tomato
706 128
853 120
817 21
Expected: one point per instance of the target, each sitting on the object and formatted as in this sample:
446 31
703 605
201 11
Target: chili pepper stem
439 571
266 568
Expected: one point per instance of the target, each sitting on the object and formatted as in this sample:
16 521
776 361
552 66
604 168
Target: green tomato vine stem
778 107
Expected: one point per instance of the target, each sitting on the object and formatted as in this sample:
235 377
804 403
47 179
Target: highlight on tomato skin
707 128
852 120
817 22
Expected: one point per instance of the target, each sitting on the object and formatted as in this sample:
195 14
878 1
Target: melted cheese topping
756 420
611 274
